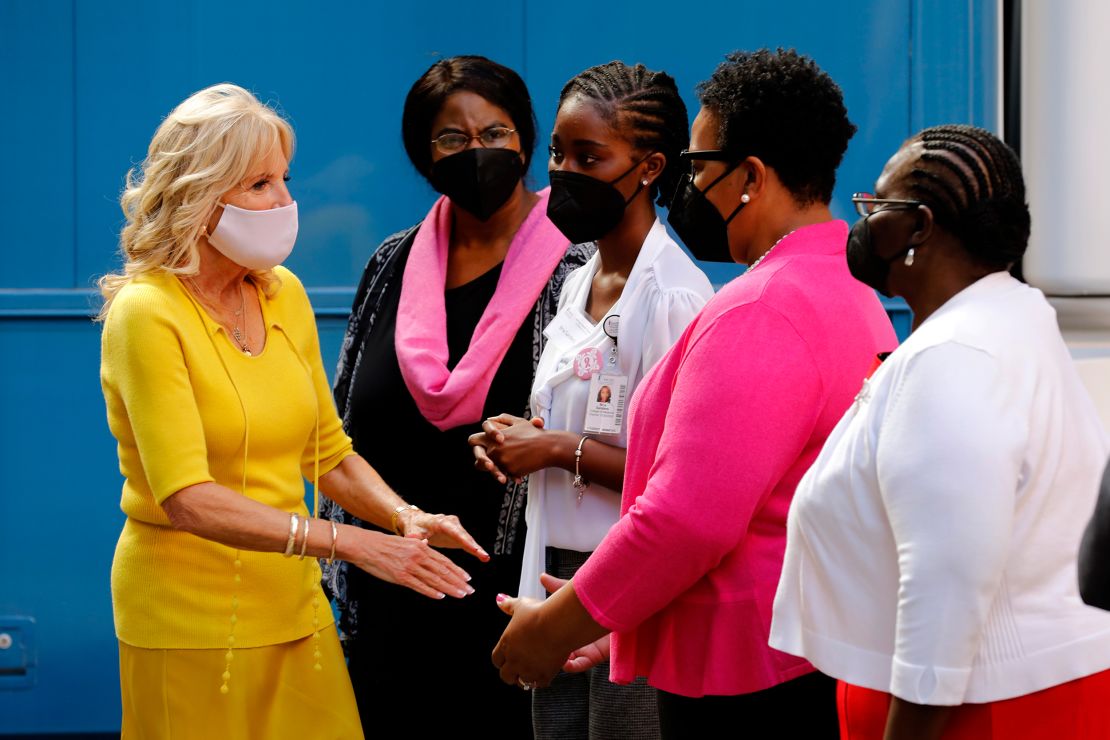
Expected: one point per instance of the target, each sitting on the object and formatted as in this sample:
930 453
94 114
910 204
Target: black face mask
698 223
864 262
478 180
584 208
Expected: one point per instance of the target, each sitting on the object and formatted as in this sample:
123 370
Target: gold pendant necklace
238 332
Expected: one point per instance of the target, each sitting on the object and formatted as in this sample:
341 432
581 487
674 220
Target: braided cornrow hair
645 104
972 180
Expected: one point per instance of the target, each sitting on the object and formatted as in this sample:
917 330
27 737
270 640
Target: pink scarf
450 398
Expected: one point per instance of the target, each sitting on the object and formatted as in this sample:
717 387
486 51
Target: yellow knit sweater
186 407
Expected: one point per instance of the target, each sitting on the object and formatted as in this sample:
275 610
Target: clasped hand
529 653
510 446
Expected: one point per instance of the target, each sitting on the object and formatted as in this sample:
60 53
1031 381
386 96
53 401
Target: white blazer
663 293
931 548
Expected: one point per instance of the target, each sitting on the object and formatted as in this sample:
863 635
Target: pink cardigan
720 432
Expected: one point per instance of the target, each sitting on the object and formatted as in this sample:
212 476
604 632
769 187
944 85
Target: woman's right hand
483 441
490 437
405 561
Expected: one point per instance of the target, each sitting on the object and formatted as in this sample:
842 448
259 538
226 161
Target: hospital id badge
605 404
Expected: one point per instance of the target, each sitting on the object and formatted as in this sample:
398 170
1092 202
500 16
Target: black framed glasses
496 137
707 155
867 204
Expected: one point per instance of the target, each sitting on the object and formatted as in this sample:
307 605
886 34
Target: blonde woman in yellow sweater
217 397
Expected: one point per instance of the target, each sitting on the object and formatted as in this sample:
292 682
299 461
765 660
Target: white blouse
931 549
663 293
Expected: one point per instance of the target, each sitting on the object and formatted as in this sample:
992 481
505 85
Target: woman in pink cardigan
722 429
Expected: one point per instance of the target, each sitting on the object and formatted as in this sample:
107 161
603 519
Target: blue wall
83 85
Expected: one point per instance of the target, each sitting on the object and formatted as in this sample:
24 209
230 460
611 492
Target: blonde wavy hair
206 146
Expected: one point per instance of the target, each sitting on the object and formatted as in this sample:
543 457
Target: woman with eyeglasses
445 330
724 426
614 150
931 556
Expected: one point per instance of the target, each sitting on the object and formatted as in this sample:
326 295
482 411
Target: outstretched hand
405 561
441 530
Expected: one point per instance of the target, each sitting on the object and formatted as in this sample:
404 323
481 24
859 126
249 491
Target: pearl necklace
763 256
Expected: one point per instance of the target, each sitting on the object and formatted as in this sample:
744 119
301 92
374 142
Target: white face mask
257 240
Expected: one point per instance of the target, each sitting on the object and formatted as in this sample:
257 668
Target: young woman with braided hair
614 149
931 552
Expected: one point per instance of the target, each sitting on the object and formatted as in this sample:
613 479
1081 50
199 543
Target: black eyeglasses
708 155
867 204
496 137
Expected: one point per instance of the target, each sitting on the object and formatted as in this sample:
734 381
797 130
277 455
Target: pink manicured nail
501 597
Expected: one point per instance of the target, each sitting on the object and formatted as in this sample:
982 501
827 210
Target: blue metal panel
955 76
91 82
36 159
59 493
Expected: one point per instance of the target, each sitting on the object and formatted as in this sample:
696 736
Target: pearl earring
745 198
909 258
644 183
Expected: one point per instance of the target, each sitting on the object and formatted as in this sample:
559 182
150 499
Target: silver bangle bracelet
580 484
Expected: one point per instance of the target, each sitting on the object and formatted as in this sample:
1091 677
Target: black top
416 662
405 640
427 467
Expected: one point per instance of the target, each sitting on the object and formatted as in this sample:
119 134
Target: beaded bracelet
294 520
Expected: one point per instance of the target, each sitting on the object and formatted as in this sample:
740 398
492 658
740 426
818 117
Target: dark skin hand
582 141
543 637
478 246
581 659
514 446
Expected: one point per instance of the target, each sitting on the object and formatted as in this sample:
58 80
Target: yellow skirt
274 693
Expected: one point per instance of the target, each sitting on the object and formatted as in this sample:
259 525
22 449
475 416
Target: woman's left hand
525 654
587 656
440 530
518 446
545 636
